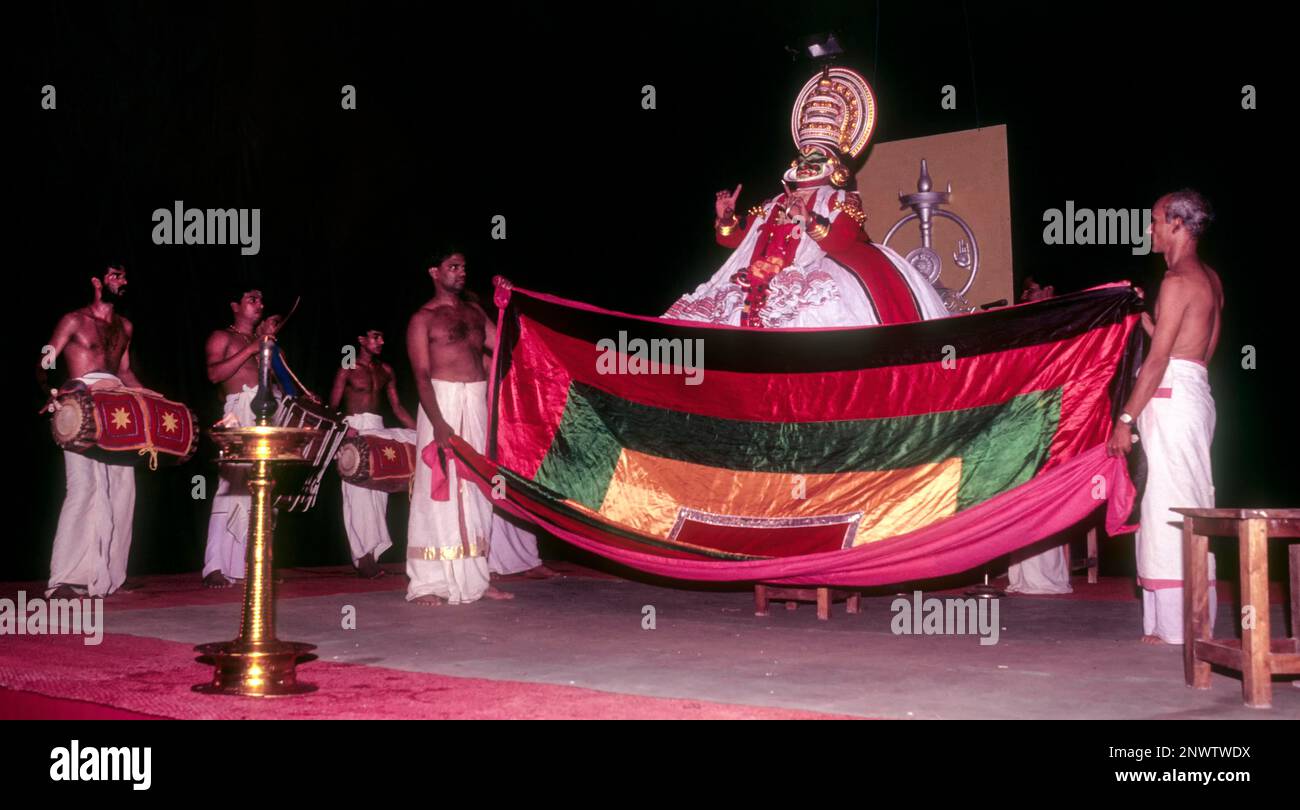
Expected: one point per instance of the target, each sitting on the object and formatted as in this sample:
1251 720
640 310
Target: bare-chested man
359 390
1173 410
93 538
447 540
231 355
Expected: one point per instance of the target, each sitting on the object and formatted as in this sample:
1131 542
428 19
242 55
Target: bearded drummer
93 538
359 388
232 366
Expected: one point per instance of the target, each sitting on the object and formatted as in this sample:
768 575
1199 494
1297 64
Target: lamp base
254 670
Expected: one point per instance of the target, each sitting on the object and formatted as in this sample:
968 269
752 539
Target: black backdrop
536 115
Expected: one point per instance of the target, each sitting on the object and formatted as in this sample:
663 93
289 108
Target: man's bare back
1186 327
1191 295
1188 316
1201 298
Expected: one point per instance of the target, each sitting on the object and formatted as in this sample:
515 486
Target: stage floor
575 646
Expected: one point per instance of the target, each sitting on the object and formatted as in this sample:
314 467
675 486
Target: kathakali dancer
358 390
803 258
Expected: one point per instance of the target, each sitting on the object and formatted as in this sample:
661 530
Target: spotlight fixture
820 48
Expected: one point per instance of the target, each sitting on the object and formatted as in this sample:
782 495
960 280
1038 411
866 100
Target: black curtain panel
537 116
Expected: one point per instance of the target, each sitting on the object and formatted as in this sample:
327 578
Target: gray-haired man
1173 410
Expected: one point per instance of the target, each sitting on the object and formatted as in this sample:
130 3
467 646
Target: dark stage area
517 135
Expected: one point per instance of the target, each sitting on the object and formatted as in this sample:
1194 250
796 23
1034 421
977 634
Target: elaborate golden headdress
833 118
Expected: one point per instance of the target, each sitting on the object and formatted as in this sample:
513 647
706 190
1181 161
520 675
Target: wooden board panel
975 161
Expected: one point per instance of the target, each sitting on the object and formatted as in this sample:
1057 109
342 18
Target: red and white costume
824 272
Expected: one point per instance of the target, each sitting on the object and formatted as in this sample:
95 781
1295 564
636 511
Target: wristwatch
1125 418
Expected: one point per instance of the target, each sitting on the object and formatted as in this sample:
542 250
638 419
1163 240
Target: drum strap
148 449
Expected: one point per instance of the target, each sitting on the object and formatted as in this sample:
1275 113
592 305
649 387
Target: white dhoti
93 538
1034 571
447 541
364 510
513 549
228 525
1176 429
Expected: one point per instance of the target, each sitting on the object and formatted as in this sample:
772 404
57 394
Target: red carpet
137 677
15 705
131 676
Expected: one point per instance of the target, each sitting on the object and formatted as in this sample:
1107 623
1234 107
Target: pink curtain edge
1047 504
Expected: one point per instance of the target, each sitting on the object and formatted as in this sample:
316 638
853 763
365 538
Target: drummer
232 365
93 538
359 388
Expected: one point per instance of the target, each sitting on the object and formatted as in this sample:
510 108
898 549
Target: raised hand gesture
725 204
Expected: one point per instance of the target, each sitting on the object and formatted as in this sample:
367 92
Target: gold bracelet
728 230
819 230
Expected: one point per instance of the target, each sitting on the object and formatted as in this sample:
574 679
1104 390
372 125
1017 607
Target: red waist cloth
439 483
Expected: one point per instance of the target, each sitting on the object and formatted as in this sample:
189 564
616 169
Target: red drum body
375 462
124 426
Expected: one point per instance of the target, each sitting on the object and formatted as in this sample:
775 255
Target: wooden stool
1090 557
1257 656
793 596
